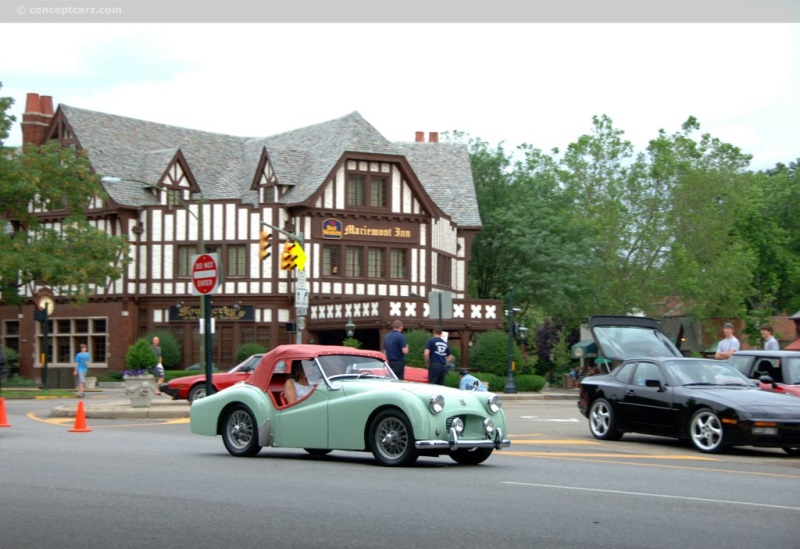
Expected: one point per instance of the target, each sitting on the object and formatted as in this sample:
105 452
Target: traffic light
263 246
288 257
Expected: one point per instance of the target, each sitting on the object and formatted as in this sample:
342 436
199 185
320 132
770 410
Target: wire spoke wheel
391 439
239 432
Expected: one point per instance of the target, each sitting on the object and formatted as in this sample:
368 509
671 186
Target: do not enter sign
205 274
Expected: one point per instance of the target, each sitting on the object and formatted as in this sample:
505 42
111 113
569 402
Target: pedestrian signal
263 246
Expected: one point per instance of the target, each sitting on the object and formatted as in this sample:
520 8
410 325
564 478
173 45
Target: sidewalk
163 407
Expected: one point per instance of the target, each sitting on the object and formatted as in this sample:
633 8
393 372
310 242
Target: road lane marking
537 418
649 495
620 456
70 420
575 441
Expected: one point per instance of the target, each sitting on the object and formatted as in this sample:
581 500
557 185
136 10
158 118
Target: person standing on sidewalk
159 369
82 360
437 355
396 349
728 345
770 343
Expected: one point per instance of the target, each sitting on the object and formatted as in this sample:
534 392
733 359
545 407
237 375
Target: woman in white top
297 386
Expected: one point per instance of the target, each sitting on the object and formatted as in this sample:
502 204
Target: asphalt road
151 483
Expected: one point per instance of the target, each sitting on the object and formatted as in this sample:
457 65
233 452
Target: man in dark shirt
396 349
437 355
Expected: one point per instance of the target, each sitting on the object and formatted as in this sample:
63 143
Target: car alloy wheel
391 439
705 430
602 423
197 392
239 432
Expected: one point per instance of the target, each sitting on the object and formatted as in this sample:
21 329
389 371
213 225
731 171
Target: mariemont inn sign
383 225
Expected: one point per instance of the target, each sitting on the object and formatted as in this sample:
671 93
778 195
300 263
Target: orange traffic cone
3 418
80 420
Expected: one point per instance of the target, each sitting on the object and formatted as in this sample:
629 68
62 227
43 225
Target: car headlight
458 425
436 404
488 427
494 404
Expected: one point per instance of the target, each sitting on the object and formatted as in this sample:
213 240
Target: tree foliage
604 229
38 187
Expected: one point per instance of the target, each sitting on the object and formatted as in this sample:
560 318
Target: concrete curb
165 408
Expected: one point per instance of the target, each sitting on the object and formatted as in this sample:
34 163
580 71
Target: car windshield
792 370
706 372
740 362
339 366
633 341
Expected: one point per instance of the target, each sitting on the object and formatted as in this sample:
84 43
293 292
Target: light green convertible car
355 403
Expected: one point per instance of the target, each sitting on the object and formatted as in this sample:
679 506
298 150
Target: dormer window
369 190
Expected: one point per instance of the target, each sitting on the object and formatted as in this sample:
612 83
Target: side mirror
769 381
653 383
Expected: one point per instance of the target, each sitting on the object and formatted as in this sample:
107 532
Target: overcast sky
519 83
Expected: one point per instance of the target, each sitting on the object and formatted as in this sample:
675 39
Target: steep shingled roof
224 166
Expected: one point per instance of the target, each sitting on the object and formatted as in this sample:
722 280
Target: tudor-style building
384 224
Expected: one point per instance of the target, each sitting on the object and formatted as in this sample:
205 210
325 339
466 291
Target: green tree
74 255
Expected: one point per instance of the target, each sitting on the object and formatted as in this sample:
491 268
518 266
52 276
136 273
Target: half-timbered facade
384 224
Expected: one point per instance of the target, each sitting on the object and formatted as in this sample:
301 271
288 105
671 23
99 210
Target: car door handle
630 392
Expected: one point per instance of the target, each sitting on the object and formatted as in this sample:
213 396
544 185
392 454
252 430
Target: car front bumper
164 388
455 443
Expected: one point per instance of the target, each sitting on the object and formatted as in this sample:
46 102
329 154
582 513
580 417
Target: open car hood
623 337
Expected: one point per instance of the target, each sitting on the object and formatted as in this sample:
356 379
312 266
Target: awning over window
586 348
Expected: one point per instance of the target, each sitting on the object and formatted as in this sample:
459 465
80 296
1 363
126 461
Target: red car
194 387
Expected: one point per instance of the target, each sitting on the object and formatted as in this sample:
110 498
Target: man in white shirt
727 346
770 343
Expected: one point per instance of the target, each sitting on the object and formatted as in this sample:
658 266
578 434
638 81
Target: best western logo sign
332 228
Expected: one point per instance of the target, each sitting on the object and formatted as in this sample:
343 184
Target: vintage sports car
707 402
775 370
194 387
356 403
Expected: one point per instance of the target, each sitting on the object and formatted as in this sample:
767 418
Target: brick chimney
36 118
433 137
420 138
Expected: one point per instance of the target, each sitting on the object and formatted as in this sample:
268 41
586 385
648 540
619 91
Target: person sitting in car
297 386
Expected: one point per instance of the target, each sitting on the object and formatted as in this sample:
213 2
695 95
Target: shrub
416 340
352 342
247 350
170 348
140 357
489 354
12 362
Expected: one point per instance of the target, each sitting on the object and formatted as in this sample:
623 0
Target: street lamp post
510 387
205 300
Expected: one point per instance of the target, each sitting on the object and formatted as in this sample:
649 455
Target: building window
444 270
367 190
237 260
398 264
354 261
331 260
375 263
185 254
68 334
355 190
11 334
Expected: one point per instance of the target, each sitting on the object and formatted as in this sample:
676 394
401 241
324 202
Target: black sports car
657 391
